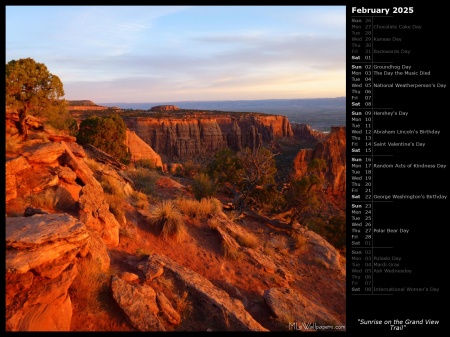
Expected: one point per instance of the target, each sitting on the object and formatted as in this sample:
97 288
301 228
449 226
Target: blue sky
176 53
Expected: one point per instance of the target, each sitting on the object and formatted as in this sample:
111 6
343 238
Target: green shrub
225 167
115 203
107 134
190 169
203 186
144 180
112 185
146 163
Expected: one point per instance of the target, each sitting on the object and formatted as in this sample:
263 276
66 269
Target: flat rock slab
214 297
43 153
139 304
290 307
41 238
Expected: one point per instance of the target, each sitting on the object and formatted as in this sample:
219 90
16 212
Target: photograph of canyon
175 168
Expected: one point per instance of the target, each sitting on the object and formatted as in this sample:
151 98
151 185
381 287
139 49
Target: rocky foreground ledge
41 253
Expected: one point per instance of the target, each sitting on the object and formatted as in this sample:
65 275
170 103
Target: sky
137 54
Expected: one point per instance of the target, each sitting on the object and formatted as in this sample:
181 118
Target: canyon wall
177 138
306 132
141 150
333 151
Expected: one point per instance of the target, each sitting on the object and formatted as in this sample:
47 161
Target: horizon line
222 100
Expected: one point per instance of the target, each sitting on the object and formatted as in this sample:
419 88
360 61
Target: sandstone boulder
172 316
47 153
94 212
59 138
41 252
77 149
139 304
10 187
98 250
16 165
65 174
13 167
151 270
80 168
323 250
215 300
290 306
42 238
129 277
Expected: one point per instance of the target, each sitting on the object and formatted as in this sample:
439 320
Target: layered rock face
305 132
50 170
141 150
333 151
41 253
184 138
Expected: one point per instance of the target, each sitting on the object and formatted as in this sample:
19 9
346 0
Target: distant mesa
86 105
81 103
165 108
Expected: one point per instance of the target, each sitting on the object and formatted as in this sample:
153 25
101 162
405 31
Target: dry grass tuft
44 200
115 203
188 206
166 283
93 164
269 251
167 217
247 240
201 209
230 252
183 305
233 216
91 286
143 253
213 223
280 244
114 196
112 185
145 163
139 200
300 242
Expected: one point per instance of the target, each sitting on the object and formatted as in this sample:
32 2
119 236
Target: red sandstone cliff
141 150
305 132
333 151
178 138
